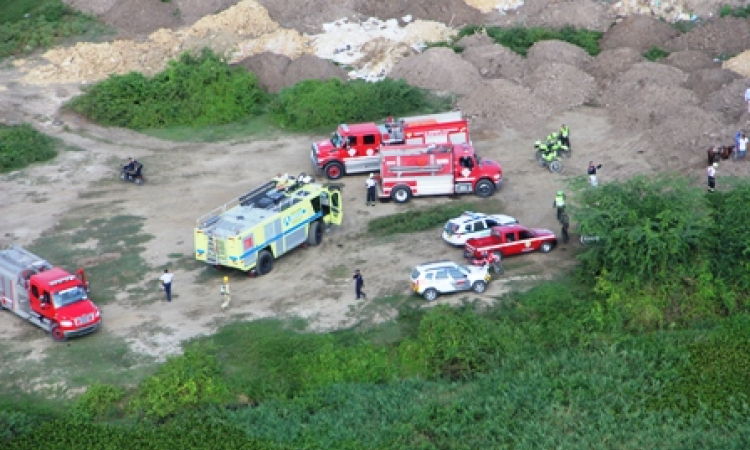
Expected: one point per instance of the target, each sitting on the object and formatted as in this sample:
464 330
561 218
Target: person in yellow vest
226 294
565 136
559 204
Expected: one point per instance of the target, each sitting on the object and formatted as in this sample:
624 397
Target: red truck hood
77 309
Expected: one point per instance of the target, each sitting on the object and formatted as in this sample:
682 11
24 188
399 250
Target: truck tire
479 286
401 194
546 247
484 188
314 234
555 166
58 335
430 294
334 170
265 262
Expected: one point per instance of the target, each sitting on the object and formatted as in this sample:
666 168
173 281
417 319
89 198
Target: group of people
554 143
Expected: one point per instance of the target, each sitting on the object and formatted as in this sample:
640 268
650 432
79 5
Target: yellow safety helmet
226 279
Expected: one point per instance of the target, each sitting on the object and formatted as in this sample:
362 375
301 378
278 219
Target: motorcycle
554 165
491 259
135 176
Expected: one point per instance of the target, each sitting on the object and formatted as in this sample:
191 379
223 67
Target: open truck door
337 214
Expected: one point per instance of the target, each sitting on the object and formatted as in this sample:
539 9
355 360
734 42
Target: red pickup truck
508 240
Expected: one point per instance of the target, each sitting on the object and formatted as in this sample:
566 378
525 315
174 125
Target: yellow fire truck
250 232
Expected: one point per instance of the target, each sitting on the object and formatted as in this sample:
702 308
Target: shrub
420 219
520 39
313 104
655 54
739 11
100 400
193 90
23 145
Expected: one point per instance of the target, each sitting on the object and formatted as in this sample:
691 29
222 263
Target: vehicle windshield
464 269
336 139
478 158
69 296
451 227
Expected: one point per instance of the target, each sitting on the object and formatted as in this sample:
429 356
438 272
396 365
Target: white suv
443 277
470 225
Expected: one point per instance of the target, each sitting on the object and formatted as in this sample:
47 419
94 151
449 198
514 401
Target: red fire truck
47 296
414 170
355 148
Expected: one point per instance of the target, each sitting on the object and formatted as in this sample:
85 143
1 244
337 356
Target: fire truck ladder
215 251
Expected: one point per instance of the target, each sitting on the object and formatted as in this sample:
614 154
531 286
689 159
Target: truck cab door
337 212
465 166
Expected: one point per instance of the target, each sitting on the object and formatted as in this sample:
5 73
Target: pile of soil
555 14
690 60
496 61
269 68
438 69
309 67
561 86
707 81
638 32
307 16
474 40
653 72
138 17
609 64
192 11
453 13
503 104
543 53
739 64
723 36
729 100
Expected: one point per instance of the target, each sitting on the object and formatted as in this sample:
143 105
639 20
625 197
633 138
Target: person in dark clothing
565 224
592 173
371 190
359 284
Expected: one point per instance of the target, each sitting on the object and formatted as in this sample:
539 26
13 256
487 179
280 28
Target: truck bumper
314 161
83 331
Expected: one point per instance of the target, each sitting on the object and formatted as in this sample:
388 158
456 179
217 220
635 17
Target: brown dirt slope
723 36
192 10
609 64
561 86
308 67
138 17
592 15
543 53
690 60
503 104
496 61
729 100
439 69
707 81
638 32
269 67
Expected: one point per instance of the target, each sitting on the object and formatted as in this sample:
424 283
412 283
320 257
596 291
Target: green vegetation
26 25
739 11
421 219
313 104
655 54
193 91
23 145
520 39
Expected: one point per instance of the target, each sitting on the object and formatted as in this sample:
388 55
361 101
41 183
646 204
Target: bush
100 400
739 11
655 54
312 104
520 39
420 219
23 145
26 25
193 90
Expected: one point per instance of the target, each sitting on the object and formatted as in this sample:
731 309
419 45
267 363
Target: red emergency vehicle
47 296
509 240
355 148
416 170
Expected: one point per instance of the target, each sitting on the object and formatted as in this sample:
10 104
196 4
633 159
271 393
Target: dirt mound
193 10
543 53
309 15
309 67
652 72
739 64
723 36
728 100
438 69
687 132
561 86
138 17
474 40
644 104
609 64
690 60
454 13
638 32
707 81
541 13
269 67
496 61
504 104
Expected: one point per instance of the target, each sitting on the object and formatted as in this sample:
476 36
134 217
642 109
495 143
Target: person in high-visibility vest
559 203
565 135
226 295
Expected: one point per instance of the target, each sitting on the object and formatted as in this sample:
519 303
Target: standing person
592 173
371 186
166 282
565 224
565 136
711 172
226 294
742 145
359 284
559 203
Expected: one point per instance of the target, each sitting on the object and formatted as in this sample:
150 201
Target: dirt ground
641 119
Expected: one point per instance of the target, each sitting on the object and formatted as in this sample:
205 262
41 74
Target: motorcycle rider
129 168
565 136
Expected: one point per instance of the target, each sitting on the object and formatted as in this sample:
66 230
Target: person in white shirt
711 172
166 282
742 145
371 187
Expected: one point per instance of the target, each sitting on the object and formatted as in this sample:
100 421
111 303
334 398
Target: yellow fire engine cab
250 232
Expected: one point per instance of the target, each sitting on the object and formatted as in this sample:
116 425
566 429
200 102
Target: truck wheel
485 188
314 234
401 194
479 286
430 294
555 166
334 170
546 247
58 335
265 262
